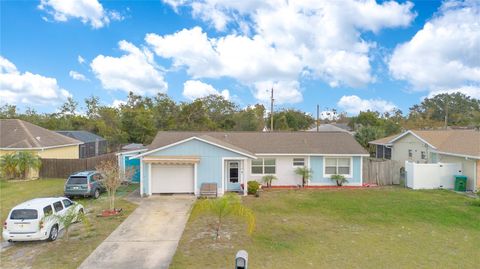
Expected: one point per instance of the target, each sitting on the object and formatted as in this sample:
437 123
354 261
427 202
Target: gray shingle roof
18 134
83 136
274 143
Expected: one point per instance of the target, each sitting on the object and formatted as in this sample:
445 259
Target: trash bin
460 183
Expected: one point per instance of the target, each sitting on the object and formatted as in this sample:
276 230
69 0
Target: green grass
348 228
61 253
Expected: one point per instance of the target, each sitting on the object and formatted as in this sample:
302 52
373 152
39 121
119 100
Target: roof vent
38 138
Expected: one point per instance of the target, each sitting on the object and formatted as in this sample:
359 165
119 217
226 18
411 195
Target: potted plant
339 179
305 173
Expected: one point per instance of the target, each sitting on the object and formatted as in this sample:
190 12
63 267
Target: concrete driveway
148 238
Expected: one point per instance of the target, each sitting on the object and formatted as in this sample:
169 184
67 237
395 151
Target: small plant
25 161
305 173
112 179
229 205
252 187
8 166
71 216
268 180
339 179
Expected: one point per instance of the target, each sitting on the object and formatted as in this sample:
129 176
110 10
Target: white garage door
172 178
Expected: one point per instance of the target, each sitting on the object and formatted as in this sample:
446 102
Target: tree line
139 119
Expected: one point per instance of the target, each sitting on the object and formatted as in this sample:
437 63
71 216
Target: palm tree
8 165
305 173
268 179
227 206
25 161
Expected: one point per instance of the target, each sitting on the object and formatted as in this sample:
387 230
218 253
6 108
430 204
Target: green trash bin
460 183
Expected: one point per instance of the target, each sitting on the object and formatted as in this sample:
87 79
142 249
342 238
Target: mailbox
241 260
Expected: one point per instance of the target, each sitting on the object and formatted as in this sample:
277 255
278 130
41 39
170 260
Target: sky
346 55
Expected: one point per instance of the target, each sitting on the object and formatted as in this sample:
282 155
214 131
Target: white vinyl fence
431 175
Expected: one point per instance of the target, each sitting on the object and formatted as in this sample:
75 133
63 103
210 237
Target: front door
233 176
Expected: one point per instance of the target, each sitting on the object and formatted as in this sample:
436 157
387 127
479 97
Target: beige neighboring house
18 135
446 146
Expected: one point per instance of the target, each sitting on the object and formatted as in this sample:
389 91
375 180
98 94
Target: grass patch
61 253
346 228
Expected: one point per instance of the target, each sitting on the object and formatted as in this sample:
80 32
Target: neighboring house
17 135
446 146
93 145
125 160
179 162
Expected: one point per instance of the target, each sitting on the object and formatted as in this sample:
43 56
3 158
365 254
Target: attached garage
172 178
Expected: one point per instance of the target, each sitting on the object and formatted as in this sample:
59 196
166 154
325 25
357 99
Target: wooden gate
381 172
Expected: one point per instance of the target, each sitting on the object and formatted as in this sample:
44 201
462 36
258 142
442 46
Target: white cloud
290 38
80 59
77 76
472 91
193 89
283 92
445 54
117 103
353 104
88 11
28 88
134 71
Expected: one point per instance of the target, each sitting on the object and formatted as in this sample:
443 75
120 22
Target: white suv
29 221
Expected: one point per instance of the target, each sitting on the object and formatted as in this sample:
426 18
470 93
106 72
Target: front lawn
347 228
60 253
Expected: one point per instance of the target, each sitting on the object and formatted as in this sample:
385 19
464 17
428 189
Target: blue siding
316 164
209 169
133 164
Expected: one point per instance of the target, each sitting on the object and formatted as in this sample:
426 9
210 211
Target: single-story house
93 145
125 160
435 146
18 135
179 162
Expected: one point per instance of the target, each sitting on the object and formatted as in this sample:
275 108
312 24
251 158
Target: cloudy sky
344 54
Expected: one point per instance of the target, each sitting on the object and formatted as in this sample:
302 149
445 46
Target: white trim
129 152
457 155
414 134
195 178
43 148
141 177
309 154
380 144
150 179
350 175
199 139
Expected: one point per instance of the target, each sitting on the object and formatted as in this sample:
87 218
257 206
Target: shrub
268 179
305 173
340 179
252 187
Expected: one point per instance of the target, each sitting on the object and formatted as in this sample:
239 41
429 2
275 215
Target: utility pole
318 118
271 112
446 115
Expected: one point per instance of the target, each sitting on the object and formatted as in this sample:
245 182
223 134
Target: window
58 206
410 153
388 153
423 155
263 166
298 161
77 180
47 211
67 203
24 214
339 166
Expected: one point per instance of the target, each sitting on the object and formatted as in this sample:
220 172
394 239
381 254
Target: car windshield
24 214
77 180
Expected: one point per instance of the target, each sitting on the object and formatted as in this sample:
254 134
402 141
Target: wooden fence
381 172
62 168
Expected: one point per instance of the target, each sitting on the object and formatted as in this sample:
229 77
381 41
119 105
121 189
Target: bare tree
113 177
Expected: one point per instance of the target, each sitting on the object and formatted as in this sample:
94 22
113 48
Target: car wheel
96 194
53 233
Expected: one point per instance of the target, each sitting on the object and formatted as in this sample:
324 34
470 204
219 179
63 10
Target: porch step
208 190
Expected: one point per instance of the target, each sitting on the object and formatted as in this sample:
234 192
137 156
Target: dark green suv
86 183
